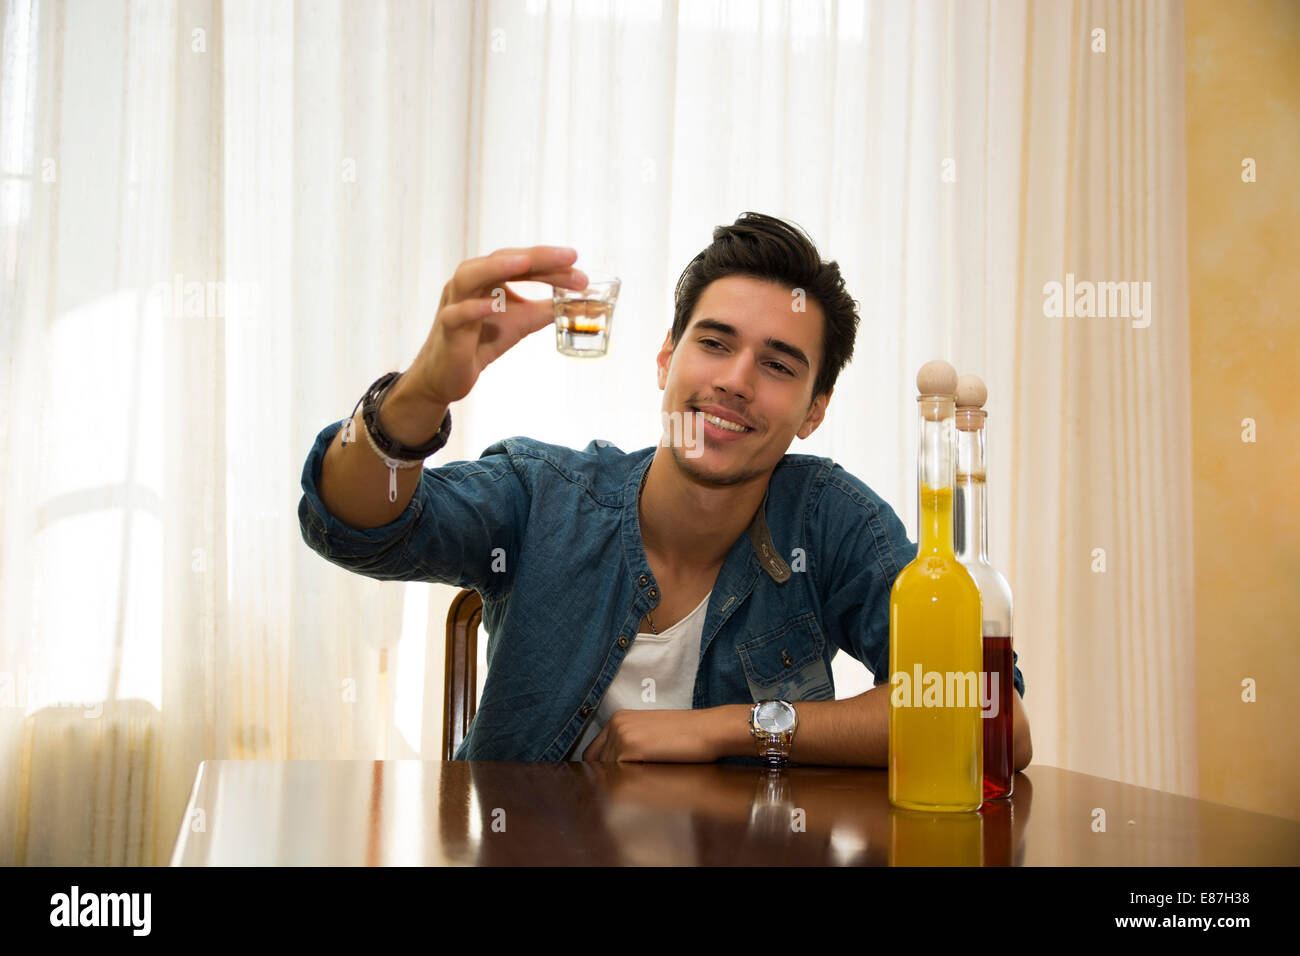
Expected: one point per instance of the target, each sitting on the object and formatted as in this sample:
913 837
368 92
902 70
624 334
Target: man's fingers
526 315
569 278
540 318
511 265
466 312
501 331
592 753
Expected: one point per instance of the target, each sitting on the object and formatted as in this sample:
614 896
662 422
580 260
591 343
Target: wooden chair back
460 670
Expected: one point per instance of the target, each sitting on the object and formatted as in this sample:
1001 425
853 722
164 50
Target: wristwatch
772 724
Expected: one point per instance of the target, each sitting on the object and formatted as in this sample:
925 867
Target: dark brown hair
774 250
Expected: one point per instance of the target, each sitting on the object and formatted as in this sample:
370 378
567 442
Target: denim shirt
550 537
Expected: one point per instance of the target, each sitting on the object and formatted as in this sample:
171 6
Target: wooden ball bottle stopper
971 392
971 396
936 381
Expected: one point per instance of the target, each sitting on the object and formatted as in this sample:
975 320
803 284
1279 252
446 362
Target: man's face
750 353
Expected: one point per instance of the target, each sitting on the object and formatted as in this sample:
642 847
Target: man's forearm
353 482
853 732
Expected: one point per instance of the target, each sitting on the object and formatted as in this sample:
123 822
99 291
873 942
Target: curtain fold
1101 507
223 219
202 686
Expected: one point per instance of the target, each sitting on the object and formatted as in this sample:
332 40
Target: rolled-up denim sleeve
461 527
865 547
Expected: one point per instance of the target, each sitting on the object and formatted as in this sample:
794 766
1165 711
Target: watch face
775 716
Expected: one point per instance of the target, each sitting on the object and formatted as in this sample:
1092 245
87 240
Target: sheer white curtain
223 220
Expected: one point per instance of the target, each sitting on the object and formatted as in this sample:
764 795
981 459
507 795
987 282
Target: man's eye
777 365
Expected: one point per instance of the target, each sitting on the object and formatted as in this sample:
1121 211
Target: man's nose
736 376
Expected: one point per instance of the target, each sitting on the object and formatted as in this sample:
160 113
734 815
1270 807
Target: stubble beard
690 466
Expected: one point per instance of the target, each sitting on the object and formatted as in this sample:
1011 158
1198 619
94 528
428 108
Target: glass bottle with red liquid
970 541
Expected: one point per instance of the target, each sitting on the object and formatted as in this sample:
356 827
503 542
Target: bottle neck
936 467
971 503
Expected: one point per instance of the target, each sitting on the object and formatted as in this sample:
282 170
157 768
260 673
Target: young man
639 604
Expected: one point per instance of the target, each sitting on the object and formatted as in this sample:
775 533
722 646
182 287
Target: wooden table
410 812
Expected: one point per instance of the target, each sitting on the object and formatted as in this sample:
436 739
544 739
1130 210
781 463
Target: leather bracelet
394 454
387 445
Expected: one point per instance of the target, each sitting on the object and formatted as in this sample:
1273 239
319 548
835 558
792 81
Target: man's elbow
1024 753
1022 745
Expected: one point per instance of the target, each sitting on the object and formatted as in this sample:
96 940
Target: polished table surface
411 812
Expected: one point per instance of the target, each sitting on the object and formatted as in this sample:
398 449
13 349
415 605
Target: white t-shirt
669 659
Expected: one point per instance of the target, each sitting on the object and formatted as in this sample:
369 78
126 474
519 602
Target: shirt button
643 580
622 641
653 592
585 710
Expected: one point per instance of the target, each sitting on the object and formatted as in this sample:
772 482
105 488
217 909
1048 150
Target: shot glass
583 316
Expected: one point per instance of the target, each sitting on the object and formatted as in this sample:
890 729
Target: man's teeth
723 423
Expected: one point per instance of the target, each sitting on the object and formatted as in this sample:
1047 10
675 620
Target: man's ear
663 359
816 412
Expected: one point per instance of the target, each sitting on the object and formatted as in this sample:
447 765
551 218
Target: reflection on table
409 812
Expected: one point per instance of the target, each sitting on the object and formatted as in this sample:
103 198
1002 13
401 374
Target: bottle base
935 807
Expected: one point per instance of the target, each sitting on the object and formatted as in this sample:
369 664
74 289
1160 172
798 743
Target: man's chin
706 471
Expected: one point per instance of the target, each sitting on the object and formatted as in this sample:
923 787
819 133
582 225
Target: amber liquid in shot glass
583 317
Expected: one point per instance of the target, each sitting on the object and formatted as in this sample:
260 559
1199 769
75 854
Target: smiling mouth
722 422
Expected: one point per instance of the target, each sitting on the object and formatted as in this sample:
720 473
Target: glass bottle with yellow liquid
936 754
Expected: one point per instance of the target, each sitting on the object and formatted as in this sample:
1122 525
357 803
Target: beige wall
1243 100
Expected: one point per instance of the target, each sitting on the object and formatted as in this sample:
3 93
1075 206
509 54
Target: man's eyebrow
717 325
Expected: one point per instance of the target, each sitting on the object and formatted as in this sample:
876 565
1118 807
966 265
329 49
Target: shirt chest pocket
788 663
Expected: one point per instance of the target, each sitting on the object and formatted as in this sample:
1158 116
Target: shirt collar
760 538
